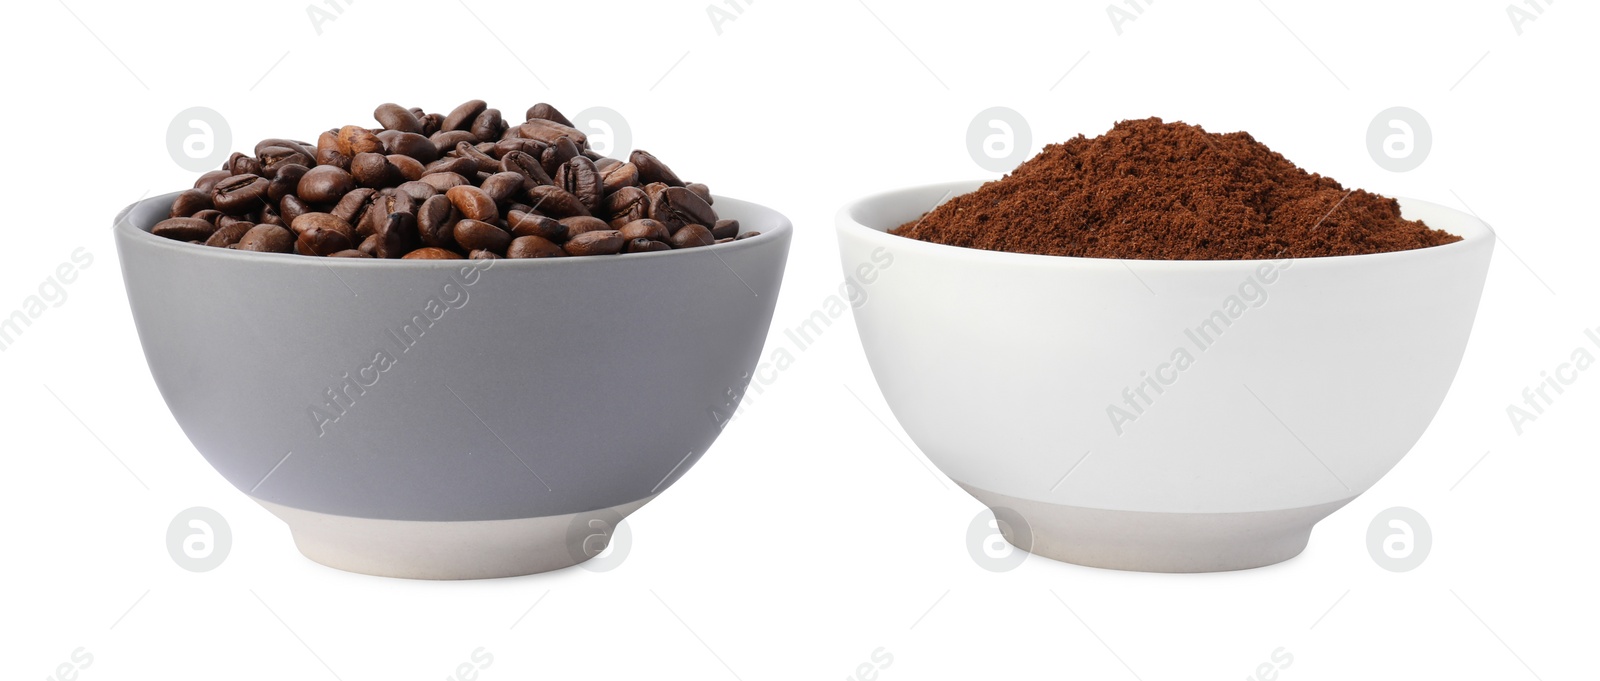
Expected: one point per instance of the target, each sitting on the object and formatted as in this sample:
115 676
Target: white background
809 536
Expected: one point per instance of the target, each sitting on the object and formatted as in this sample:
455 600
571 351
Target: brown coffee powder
1151 190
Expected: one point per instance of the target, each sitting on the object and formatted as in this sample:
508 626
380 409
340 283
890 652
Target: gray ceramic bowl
451 419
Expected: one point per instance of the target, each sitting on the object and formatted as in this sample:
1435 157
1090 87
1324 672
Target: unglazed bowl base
476 549
1155 542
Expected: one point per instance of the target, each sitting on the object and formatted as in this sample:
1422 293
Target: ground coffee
1151 190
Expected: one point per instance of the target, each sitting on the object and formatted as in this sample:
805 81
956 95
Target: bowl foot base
475 549
1154 542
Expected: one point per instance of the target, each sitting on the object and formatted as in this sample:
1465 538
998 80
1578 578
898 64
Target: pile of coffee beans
467 184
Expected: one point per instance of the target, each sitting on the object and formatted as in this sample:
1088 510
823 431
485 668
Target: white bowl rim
122 225
1472 230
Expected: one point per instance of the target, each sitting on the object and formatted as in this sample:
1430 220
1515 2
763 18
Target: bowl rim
1474 232
123 227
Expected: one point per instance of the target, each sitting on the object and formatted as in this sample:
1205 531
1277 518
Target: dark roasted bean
502 187
396 117
436 222
478 235
431 253
647 246
617 175
266 239
286 181
442 182
410 168
473 203
240 194
184 229
598 242
353 205
676 207
528 224
651 169
354 139
319 241
397 236
522 163
556 154
239 164
701 191
745 235
580 178
413 145
325 222
229 235
549 131
210 179
547 112
452 164
645 229
350 253
291 208
580 224
488 125
481 254
692 236
626 205
463 115
374 170
189 202
533 246
325 184
555 201
725 229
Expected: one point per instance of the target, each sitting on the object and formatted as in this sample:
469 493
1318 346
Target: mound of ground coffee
1151 190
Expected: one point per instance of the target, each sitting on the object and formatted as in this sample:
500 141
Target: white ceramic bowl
1171 416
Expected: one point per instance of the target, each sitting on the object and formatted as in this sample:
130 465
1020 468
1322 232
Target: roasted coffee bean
724 241
354 139
647 246
431 253
651 169
463 115
676 206
240 194
701 191
396 117
473 203
466 183
416 146
488 125
273 158
266 239
526 165
617 175
549 131
580 224
598 242
292 208
184 229
481 254
452 164
559 152
746 235
447 140
692 236
478 235
325 184
533 246
229 235
210 179
507 145
528 224
410 169
725 229
239 164
398 236
503 186
547 112
645 229
319 241
353 205
580 178
442 182
188 202
286 181
626 205
374 170
436 222
326 222
555 201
